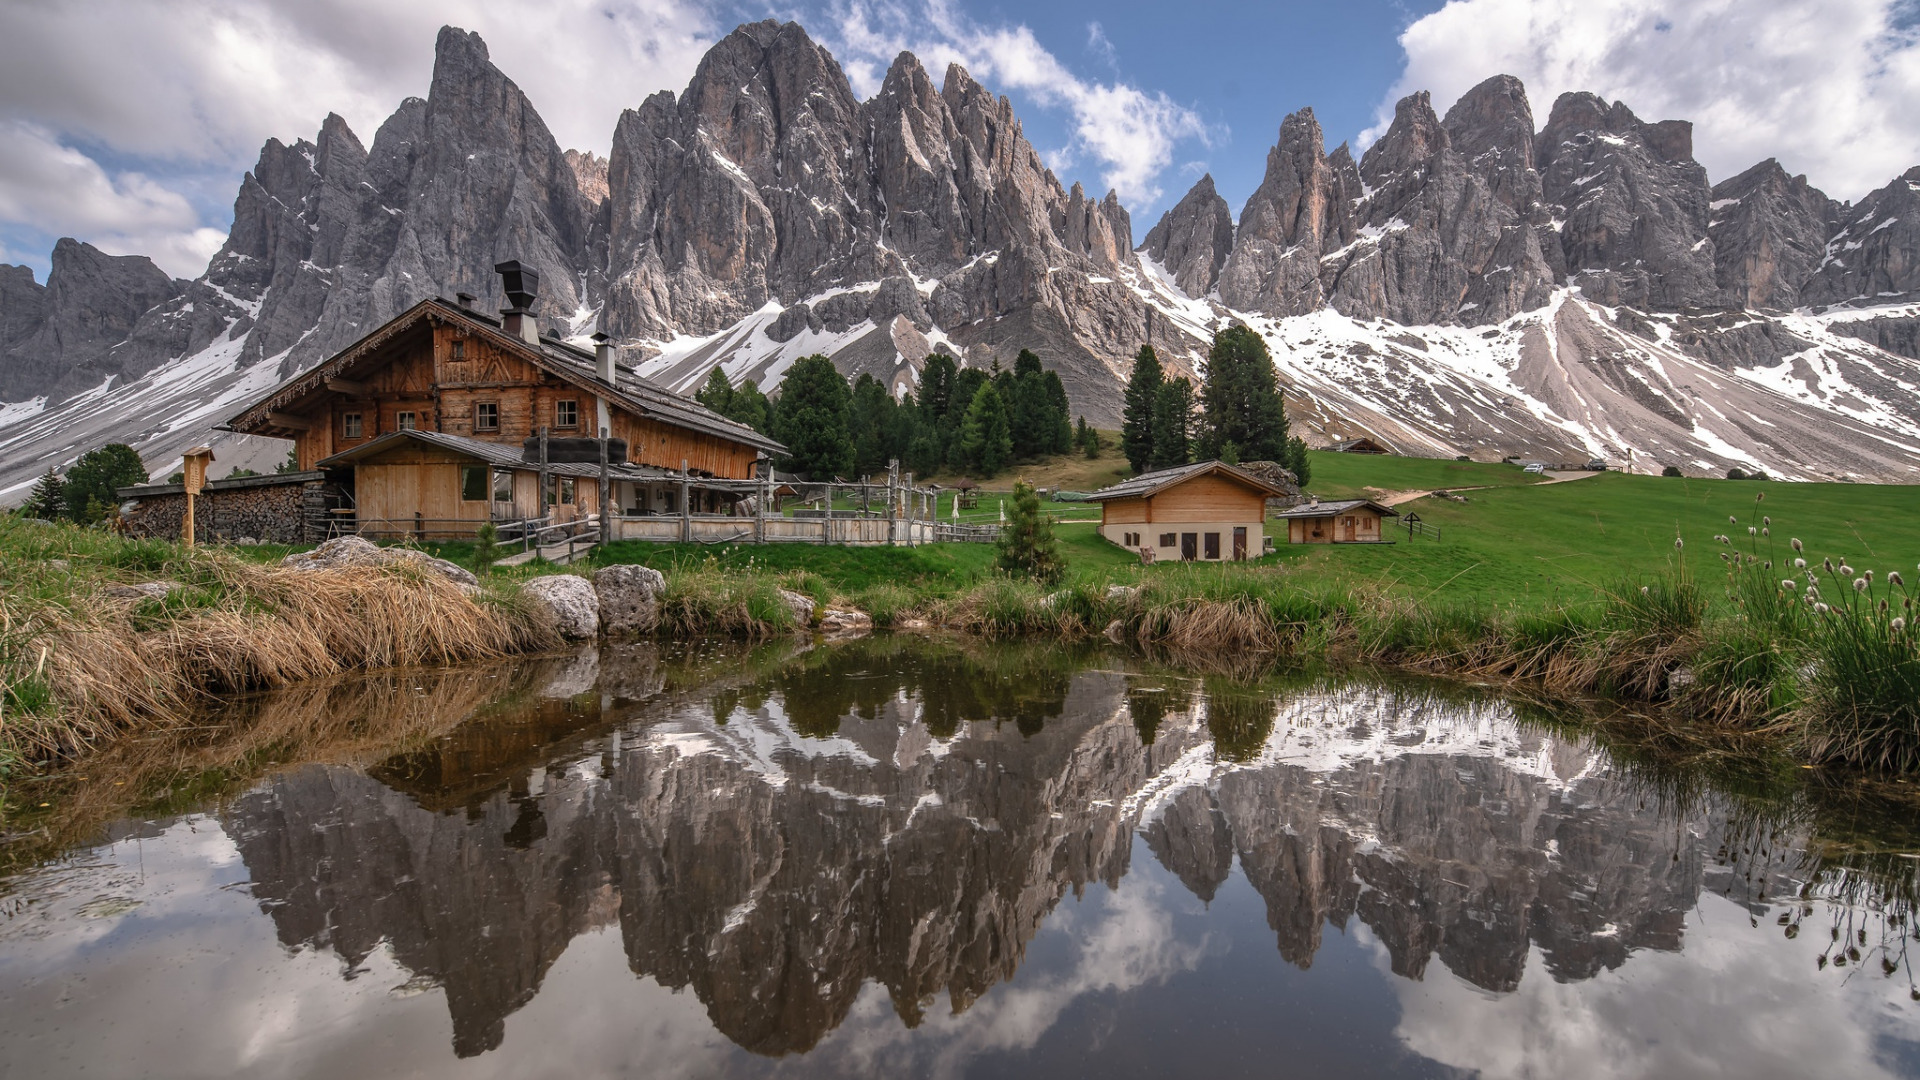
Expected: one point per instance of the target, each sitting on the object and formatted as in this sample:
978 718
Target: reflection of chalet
444 418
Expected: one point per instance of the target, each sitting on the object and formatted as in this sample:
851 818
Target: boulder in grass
1122 594
146 590
629 598
838 623
566 603
1117 632
800 605
343 552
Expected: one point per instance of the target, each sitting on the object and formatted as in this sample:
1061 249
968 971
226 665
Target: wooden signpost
194 466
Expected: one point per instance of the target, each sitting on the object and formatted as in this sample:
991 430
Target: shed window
1167 540
566 413
405 421
486 416
473 483
459 349
566 490
350 425
503 485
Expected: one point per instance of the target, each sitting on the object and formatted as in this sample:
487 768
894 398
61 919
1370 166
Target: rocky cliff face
766 213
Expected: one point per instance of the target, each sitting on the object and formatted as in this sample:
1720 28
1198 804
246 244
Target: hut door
1240 543
1189 546
1346 529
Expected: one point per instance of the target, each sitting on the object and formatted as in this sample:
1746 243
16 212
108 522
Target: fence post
606 491
686 506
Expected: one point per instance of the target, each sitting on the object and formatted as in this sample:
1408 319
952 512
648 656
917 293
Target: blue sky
128 123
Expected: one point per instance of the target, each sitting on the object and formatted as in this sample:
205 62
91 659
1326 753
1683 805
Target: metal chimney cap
520 283
601 337
466 299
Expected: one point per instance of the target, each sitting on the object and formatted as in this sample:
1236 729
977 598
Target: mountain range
1472 284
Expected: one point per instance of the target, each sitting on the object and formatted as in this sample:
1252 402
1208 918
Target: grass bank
83 655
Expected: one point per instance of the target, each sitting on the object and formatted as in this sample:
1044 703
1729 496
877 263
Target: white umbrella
1003 511
956 508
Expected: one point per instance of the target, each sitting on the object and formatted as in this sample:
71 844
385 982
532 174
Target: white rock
567 603
800 605
1117 632
845 623
146 590
629 598
1122 594
350 551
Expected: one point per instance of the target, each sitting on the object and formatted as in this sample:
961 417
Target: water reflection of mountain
909 815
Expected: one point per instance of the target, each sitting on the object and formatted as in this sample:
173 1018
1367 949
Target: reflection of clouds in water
1736 1003
1116 942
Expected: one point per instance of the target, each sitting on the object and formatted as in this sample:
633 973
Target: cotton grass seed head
1859 584
1788 583
1894 578
1821 609
1766 521
1678 543
1731 520
1898 624
1750 530
1799 564
1764 531
1797 545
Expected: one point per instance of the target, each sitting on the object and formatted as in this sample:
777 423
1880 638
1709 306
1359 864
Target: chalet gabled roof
1333 509
1153 483
574 365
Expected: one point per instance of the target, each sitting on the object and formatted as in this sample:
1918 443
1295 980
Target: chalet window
350 425
459 350
473 483
486 416
503 485
566 490
1167 540
1213 545
566 414
405 421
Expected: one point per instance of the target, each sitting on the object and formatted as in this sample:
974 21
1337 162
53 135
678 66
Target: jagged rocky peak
1631 203
1296 214
1193 239
1872 258
1769 235
1099 231
915 185
90 305
590 173
1491 126
23 305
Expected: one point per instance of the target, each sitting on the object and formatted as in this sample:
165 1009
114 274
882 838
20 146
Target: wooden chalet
1207 511
1348 521
444 418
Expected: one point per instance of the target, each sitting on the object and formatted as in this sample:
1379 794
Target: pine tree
874 427
1061 422
91 483
1136 423
717 394
1027 546
813 417
1297 462
1172 417
1240 403
986 438
750 407
1087 439
49 499
936 387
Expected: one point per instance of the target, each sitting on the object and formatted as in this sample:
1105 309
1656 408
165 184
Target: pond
909 857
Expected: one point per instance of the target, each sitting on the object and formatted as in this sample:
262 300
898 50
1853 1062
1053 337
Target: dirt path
1395 498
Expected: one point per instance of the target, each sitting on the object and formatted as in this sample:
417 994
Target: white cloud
1826 86
1129 131
58 189
190 89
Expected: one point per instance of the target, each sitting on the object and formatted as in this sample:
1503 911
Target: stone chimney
522 286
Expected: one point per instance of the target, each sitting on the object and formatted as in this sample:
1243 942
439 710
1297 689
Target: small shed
1360 445
1207 511
1348 521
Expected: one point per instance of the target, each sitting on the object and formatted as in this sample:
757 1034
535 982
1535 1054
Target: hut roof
1334 509
1153 483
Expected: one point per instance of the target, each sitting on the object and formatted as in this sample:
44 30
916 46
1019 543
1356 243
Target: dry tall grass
79 662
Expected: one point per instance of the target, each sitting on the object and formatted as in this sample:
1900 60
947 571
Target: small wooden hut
1209 511
1348 521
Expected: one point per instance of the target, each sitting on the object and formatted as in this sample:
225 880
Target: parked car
1596 465
1536 467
